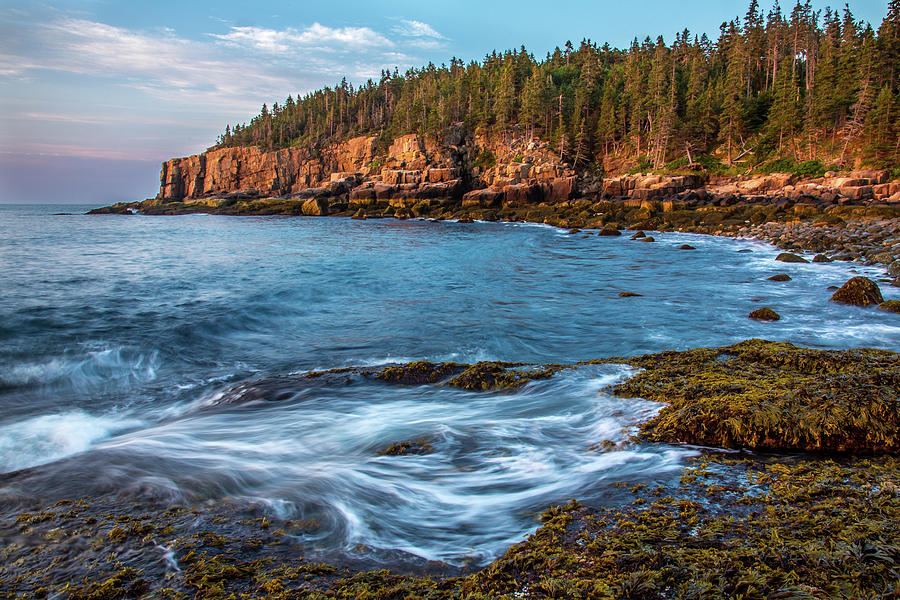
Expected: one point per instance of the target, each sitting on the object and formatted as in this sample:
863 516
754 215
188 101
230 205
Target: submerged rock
686 247
420 372
765 314
858 291
779 277
419 446
790 258
628 295
890 306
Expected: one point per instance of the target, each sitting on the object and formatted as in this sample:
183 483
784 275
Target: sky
94 94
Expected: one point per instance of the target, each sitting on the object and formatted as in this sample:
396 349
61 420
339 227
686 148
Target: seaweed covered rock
487 375
764 314
420 372
418 446
858 291
759 394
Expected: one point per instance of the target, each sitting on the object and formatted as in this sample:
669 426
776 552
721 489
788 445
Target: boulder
522 193
317 207
384 191
779 277
890 306
487 197
858 291
609 230
764 314
790 258
821 258
560 190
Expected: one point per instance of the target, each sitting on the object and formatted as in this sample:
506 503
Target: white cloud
316 36
65 78
412 28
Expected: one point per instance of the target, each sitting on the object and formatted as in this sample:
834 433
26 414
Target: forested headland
780 87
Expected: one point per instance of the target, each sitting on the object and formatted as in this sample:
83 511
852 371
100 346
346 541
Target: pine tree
882 132
732 119
785 113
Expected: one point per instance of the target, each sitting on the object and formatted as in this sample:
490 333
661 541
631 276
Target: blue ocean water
138 353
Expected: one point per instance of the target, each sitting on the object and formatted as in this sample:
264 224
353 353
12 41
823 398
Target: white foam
44 439
97 367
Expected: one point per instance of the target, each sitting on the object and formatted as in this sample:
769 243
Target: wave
47 438
98 368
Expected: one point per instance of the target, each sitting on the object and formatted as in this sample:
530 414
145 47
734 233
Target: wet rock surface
736 524
858 291
765 314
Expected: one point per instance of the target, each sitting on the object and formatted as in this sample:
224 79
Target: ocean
165 357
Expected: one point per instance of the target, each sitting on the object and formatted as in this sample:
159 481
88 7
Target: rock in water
639 235
890 306
765 314
821 258
315 207
859 291
628 295
780 277
790 258
647 239
609 229
686 247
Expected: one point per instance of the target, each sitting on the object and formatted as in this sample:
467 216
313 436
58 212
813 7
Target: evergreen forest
803 86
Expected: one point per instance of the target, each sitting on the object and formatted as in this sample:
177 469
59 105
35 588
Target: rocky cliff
412 170
478 173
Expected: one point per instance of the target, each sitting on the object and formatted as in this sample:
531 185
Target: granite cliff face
415 176
254 171
411 170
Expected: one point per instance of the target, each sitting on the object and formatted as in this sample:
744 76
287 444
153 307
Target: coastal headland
851 215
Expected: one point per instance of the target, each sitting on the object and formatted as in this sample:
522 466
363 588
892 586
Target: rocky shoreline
802 502
869 235
852 215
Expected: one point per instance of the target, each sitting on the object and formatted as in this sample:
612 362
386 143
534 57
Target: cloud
66 78
316 36
411 28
